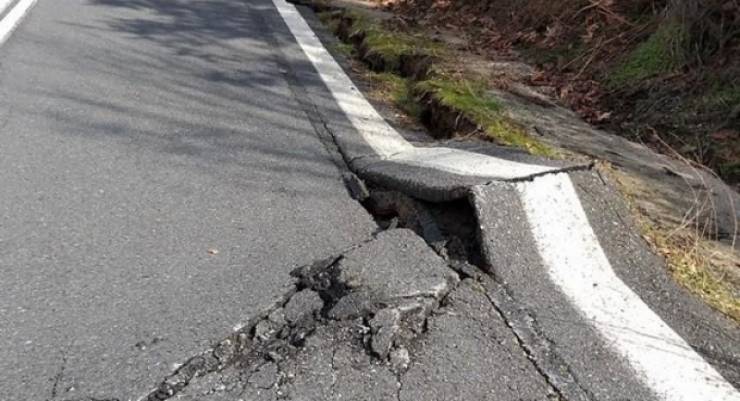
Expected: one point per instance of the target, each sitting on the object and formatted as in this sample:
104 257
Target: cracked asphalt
158 183
177 222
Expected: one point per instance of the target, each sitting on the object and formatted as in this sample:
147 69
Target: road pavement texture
159 182
179 220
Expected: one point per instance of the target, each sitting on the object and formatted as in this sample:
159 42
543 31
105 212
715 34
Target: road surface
166 165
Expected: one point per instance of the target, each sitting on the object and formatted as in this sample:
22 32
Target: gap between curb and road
565 241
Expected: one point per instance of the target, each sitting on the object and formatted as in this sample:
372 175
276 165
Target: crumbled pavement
388 320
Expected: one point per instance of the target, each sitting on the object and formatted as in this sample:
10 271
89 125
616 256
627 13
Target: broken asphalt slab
376 298
415 333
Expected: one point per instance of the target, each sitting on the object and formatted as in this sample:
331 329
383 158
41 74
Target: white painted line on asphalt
4 4
564 237
383 138
578 265
13 18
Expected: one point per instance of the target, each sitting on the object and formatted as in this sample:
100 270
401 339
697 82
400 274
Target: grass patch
391 45
657 55
724 150
694 263
330 19
398 90
721 97
688 261
464 95
468 96
343 48
729 170
472 99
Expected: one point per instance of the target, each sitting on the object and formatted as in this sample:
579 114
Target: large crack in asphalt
346 293
378 308
372 304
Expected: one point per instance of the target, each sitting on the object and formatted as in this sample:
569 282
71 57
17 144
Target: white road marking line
13 18
565 240
577 264
4 4
383 138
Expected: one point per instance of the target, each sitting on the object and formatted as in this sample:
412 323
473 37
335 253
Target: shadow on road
199 82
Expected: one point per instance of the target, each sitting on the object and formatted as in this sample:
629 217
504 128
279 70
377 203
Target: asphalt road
158 181
166 165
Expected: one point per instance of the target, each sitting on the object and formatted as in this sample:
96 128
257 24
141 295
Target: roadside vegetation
413 70
707 268
663 72
472 99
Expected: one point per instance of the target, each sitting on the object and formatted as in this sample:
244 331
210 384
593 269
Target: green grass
343 48
657 55
464 95
391 45
721 96
330 19
472 99
729 169
398 90
468 96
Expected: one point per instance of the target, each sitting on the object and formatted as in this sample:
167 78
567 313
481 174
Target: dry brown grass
708 269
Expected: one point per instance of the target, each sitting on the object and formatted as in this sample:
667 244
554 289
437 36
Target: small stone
224 351
400 360
301 331
392 224
277 316
274 356
303 303
414 314
356 187
384 326
353 305
263 331
265 377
